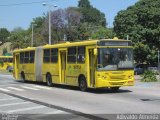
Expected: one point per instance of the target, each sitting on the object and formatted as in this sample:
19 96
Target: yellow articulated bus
6 62
104 63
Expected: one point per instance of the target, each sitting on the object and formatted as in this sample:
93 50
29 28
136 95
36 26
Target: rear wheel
49 80
23 77
82 84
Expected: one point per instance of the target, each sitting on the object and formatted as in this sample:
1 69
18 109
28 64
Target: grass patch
149 76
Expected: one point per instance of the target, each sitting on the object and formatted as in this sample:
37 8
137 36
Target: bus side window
22 57
71 58
54 55
10 60
32 53
26 57
81 55
46 56
5 59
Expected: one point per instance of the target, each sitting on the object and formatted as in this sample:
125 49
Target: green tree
73 22
84 4
101 33
91 14
141 52
40 37
20 38
4 34
141 23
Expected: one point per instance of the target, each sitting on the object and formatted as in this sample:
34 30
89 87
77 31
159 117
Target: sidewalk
138 77
146 84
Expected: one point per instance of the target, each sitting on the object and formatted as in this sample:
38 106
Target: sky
20 13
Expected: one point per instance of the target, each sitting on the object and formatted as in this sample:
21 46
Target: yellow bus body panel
5 65
102 79
114 78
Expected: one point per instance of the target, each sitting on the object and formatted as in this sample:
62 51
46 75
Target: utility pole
49 20
159 63
127 37
32 33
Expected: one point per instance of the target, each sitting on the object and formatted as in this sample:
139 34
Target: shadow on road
146 100
67 87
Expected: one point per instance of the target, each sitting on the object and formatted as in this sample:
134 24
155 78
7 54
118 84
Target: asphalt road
36 101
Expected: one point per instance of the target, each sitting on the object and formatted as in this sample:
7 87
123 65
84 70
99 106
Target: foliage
73 24
141 51
101 33
4 34
91 14
84 4
62 23
141 23
39 38
20 38
149 76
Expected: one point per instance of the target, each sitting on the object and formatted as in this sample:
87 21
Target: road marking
5 90
42 87
13 88
13 84
14 104
29 88
8 99
56 112
25 109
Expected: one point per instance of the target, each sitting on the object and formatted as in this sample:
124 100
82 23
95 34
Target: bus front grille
117 83
122 77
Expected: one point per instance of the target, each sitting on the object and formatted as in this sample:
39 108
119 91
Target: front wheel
115 89
83 84
49 80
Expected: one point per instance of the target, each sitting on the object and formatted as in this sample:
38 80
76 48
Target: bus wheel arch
82 83
49 79
23 76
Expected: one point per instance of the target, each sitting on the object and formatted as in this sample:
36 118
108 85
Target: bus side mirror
95 52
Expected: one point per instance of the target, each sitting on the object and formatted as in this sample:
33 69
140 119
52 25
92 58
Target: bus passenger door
16 65
63 66
91 67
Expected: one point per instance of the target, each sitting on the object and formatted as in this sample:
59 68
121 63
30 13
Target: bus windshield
115 58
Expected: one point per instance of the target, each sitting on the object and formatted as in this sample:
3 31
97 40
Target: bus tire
23 77
82 84
49 80
115 89
7 68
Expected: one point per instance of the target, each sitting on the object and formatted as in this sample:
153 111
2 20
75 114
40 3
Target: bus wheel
7 67
115 89
49 80
82 84
23 77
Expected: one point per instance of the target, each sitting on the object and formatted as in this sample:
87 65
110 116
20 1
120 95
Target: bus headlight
130 77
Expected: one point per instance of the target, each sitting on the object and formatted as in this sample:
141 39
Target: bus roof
70 44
